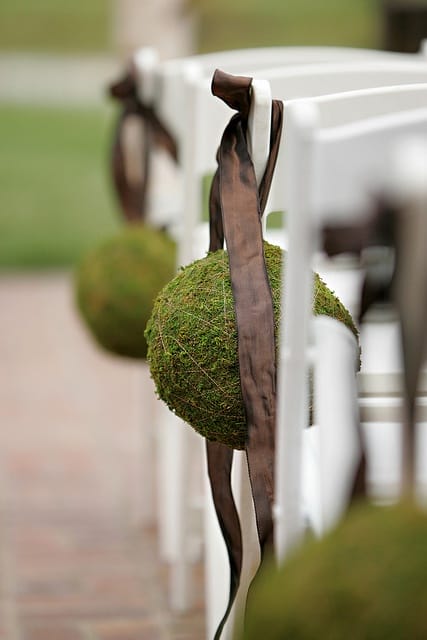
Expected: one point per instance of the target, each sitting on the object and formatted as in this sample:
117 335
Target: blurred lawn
56 199
79 25
56 196
240 23
55 25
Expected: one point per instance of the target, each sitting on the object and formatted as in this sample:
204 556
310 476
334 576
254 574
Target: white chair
205 164
331 172
341 108
188 135
168 87
207 120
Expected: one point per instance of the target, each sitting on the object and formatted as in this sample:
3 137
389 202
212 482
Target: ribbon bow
138 132
236 207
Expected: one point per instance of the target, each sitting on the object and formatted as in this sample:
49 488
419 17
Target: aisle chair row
334 115
198 124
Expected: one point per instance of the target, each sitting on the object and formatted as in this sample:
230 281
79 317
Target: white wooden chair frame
314 153
191 78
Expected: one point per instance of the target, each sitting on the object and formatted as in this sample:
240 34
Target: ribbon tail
216 228
220 458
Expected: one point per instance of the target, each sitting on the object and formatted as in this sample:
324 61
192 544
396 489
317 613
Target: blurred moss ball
116 285
192 343
367 580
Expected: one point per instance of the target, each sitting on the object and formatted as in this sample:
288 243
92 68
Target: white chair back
207 119
167 84
330 174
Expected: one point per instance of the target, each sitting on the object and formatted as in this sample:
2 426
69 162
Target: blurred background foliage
56 198
55 25
78 25
224 24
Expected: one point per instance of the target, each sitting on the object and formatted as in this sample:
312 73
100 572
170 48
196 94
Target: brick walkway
75 561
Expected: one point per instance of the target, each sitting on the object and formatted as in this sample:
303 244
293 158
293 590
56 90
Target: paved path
75 562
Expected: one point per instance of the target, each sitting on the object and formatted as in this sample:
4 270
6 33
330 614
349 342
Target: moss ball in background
367 580
116 285
192 343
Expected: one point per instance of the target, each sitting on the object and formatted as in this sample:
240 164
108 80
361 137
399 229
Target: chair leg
179 481
143 450
336 414
217 571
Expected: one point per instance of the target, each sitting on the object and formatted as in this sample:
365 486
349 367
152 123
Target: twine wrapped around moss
116 285
367 579
192 343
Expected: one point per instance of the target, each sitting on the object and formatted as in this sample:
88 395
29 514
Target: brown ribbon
236 208
219 459
132 189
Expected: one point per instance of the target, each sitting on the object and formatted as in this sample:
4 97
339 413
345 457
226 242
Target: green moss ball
367 580
116 285
192 344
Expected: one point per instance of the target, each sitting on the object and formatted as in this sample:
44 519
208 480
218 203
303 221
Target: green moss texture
367 580
116 285
192 342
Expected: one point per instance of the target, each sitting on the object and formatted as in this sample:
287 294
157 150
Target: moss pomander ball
116 285
367 580
192 344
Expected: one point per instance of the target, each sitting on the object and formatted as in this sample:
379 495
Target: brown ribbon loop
131 186
235 91
235 215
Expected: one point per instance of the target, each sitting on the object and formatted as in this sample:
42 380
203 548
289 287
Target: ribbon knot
138 133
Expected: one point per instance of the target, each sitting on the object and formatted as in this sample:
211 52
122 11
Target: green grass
78 25
56 199
56 196
250 23
55 25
